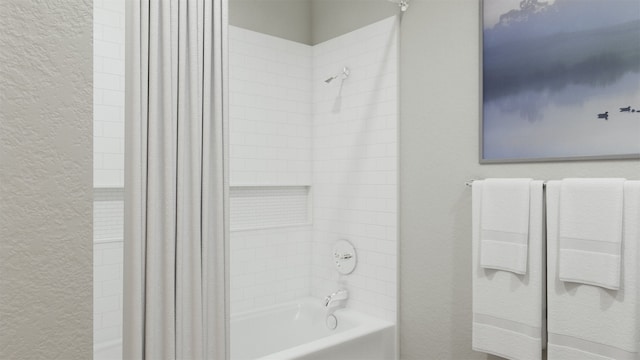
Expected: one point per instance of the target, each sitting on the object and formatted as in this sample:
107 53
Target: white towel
590 322
508 313
504 232
591 231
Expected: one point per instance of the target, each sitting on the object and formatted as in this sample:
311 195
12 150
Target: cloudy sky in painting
494 8
552 17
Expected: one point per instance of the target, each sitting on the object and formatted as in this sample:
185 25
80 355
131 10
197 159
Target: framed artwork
560 80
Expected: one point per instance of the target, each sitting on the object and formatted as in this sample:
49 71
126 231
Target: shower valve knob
345 256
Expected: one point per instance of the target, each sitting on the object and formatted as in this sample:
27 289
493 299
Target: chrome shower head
345 74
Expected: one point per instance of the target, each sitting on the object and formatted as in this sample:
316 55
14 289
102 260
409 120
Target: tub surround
290 128
108 174
355 165
270 165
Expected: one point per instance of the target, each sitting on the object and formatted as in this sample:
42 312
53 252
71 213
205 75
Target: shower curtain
174 271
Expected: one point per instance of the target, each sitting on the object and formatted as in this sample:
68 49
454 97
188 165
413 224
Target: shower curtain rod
468 183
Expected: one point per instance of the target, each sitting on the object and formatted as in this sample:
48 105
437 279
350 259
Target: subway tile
108 107
107 17
114 66
112 319
112 287
106 334
290 102
114 34
107 145
112 256
107 303
108 81
113 129
106 272
106 49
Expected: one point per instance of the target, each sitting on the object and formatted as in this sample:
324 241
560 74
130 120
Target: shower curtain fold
174 295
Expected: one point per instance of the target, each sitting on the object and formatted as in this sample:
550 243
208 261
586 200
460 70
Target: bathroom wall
108 169
286 19
439 120
355 165
45 184
332 18
439 147
270 168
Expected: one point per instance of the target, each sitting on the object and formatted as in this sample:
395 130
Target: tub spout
337 299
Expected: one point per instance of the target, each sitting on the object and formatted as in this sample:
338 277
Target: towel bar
468 183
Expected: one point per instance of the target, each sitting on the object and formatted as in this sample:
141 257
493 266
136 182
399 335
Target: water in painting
561 79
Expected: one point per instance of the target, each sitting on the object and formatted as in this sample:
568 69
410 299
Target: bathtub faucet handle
338 296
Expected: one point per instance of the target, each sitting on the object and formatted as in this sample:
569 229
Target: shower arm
345 74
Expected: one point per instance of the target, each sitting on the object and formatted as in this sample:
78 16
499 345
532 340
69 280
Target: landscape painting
560 80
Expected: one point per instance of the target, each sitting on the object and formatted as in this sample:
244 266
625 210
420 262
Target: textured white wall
45 184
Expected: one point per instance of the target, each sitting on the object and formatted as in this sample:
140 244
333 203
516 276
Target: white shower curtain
174 271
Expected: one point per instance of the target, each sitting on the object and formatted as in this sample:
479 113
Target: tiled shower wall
270 160
288 127
355 165
108 168
108 93
270 110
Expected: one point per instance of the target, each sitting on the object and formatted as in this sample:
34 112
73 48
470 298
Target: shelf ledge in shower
268 185
108 240
259 228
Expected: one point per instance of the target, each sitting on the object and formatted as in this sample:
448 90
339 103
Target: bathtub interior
288 325
297 330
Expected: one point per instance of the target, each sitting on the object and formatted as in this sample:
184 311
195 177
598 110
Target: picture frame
553 89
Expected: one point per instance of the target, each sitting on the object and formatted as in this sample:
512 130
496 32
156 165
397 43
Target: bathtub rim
367 324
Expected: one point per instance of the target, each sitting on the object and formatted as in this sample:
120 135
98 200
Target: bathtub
297 330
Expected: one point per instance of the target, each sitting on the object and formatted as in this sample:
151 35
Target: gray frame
481 158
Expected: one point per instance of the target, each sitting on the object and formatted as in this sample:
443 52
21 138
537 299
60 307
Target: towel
508 313
505 224
591 231
590 322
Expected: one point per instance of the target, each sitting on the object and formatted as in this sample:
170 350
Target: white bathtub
297 330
